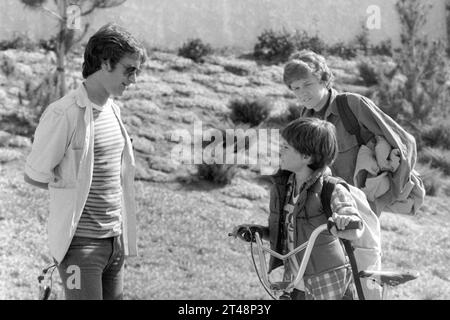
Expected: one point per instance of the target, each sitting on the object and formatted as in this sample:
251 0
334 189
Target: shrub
437 135
48 44
303 41
383 49
195 50
362 40
279 121
21 122
217 173
340 49
431 177
274 47
8 65
8 155
249 111
18 41
436 158
294 112
368 73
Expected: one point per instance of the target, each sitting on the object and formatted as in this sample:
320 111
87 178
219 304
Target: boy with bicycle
307 148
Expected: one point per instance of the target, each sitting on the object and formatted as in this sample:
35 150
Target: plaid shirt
333 285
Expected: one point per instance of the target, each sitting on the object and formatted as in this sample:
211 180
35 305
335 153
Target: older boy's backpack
364 253
413 191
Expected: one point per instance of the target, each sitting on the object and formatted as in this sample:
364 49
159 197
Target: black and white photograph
236 151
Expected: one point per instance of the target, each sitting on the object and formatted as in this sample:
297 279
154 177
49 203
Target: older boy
310 79
308 147
83 155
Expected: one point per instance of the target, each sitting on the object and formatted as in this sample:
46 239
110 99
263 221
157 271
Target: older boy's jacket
373 122
328 253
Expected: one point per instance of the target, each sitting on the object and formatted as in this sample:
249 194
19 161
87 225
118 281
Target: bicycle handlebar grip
350 226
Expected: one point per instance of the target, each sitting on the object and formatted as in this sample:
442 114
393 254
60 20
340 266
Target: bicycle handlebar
307 246
330 224
351 225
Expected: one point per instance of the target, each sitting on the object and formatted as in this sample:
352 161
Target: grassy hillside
185 252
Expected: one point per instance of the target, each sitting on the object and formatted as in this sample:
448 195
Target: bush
217 173
362 40
436 158
345 51
249 111
48 44
22 122
368 73
18 41
8 66
195 50
431 177
8 155
383 49
303 41
274 47
294 112
437 135
279 121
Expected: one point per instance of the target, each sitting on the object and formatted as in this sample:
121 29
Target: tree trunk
61 48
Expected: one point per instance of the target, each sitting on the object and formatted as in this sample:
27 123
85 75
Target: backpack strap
348 118
329 184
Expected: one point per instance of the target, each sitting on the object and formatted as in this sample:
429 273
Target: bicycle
281 289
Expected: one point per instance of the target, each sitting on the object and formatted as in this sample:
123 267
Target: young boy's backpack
365 252
407 192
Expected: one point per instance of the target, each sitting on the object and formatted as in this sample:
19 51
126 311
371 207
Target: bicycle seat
390 278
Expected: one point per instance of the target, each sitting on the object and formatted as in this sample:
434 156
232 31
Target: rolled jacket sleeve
51 139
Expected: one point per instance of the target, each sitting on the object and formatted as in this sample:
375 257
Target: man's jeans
92 269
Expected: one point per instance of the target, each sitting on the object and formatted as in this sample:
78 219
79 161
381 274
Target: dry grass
184 249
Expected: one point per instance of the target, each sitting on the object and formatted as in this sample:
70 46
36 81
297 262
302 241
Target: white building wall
235 23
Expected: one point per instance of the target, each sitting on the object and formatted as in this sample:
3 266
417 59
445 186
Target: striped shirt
101 217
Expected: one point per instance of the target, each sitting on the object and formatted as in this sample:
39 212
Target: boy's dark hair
313 137
110 43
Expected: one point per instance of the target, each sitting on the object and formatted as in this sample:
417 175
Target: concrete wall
235 23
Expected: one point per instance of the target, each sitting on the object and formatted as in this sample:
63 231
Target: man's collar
82 99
